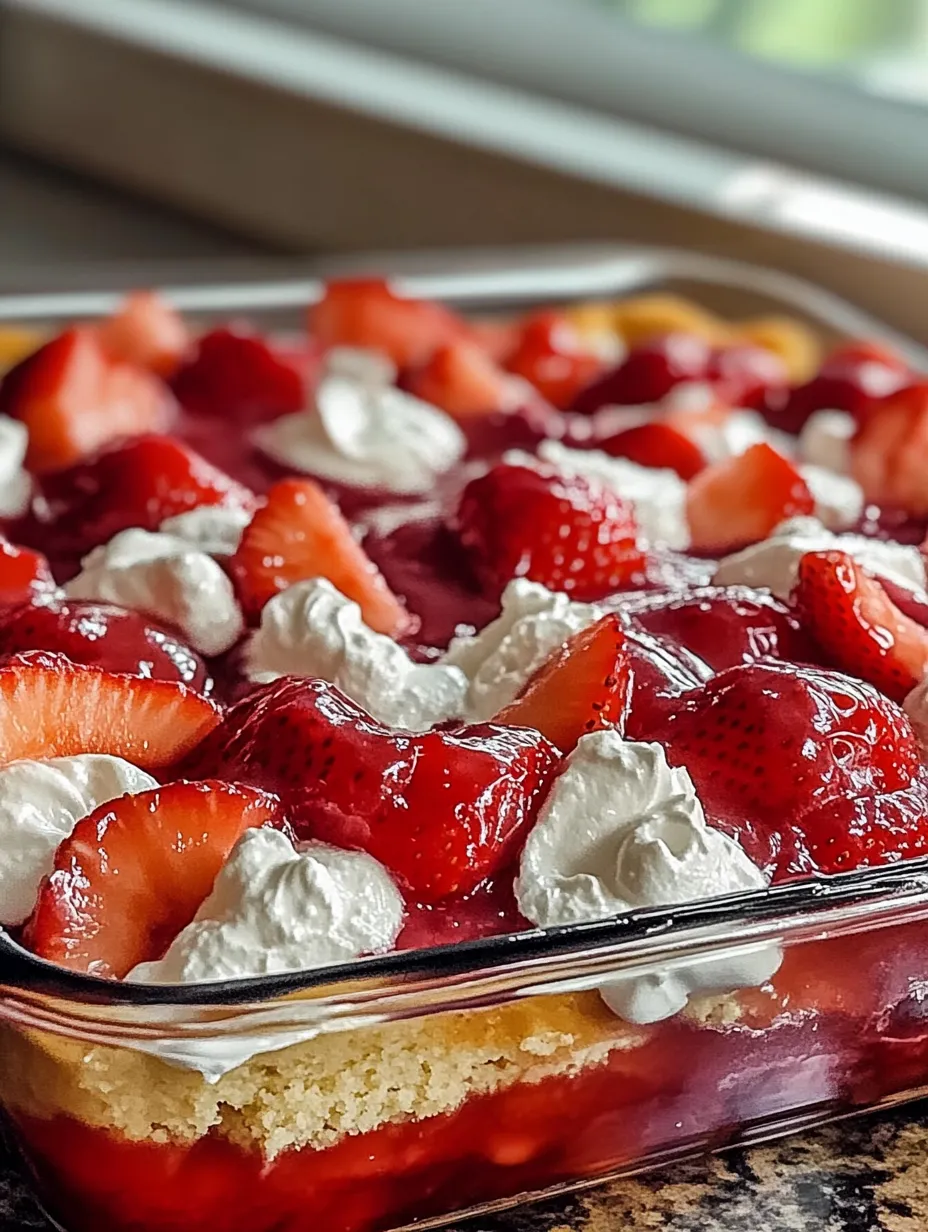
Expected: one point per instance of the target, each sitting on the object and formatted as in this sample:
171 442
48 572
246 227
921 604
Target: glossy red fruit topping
139 483
661 671
146 331
774 749
659 445
24 575
102 635
52 707
853 378
74 399
566 533
745 375
858 627
723 625
554 358
442 810
462 379
301 534
889 455
740 500
584 686
648 373
134 873
368 313
240 375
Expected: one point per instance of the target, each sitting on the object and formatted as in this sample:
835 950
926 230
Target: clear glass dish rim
537 961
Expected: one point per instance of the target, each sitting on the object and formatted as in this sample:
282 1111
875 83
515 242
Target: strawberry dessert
410 633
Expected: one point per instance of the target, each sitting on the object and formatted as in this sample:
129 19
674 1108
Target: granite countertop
867 1175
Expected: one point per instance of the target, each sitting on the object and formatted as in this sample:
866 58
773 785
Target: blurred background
144 140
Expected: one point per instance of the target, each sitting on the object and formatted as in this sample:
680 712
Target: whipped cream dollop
40 804
825 440
276 908
774 562
621 829
839 499
362 430
311 629
213 529
657 495
169 580
500 659
15 480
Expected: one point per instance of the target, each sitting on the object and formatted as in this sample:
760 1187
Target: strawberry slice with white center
301 534
584 686
740 500
51 707
135 871
858 627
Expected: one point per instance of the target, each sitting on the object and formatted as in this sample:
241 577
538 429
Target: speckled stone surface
868 1175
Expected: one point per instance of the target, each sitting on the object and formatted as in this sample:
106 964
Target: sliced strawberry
553 356
442 810
889 455
52 707
148 332
74 399
237 374
858 627
740 500
773 749
584 686
499 337
648 373
723 625
855 378
661 671
367 313
565 533
301 534
102 635
135 872
139 483
24 575
463 380
746 375
659 445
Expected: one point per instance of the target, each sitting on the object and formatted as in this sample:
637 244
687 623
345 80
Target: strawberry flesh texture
134 873
724 626
857 626
75 399
442 810
460 378
740 500
565 533
240 376
889 454
148 332
584 686
24 575
367 313
53 707
139 483
647 374
656 444
551 355
775 750
102 635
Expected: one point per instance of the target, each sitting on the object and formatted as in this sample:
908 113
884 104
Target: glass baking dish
407 1090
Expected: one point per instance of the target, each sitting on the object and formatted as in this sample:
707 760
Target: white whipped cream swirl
15 480
213 529
773 564
621 829
363 431
311 629
169 580
40 804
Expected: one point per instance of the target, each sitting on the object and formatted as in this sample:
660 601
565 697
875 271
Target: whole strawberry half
568 534
103 635
661 671
858 627
723 625
442 810
811 770
139 483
